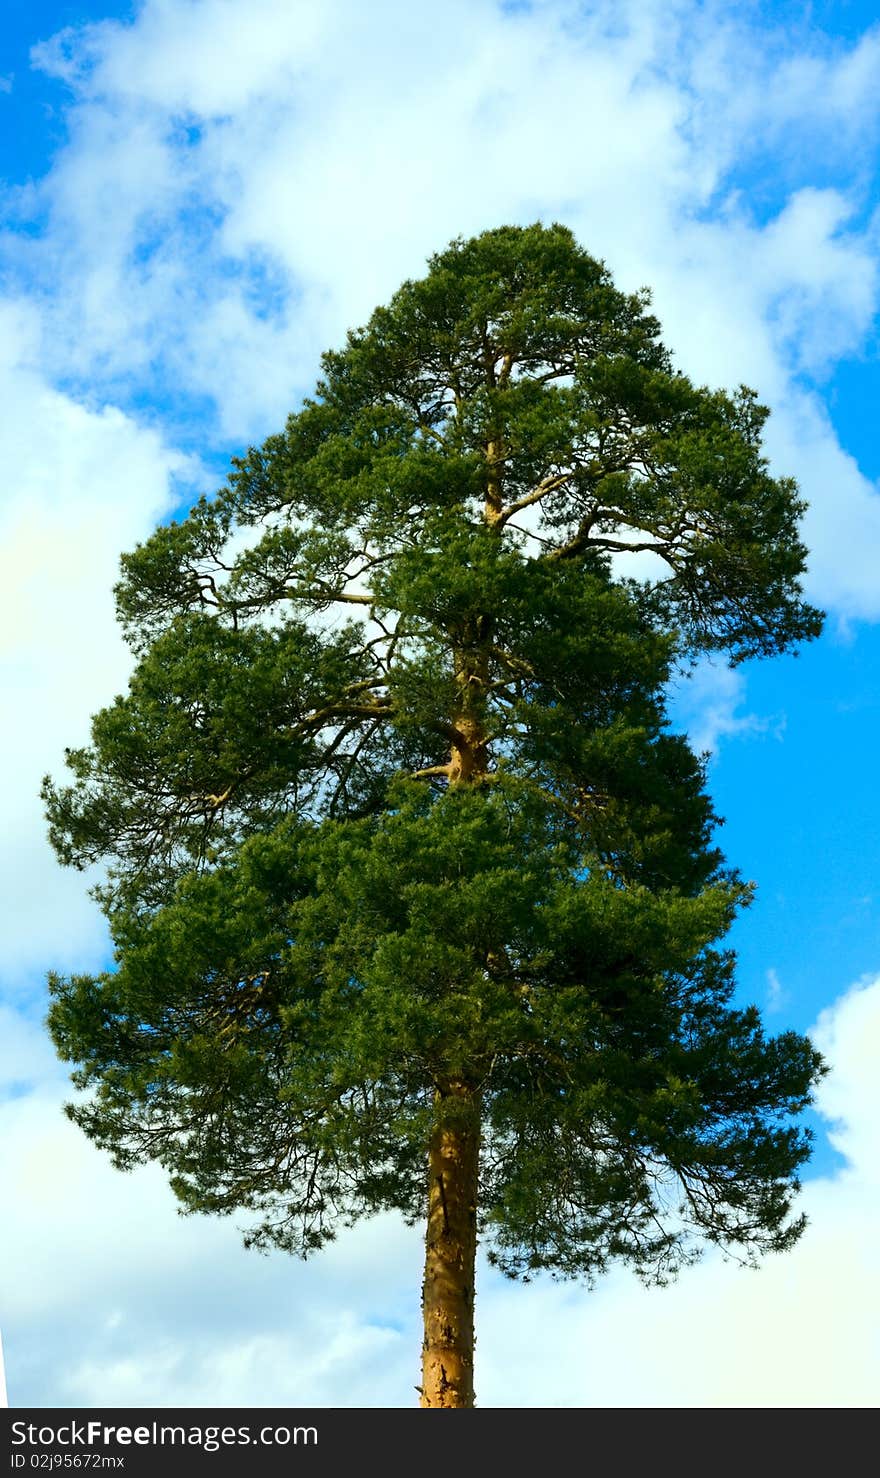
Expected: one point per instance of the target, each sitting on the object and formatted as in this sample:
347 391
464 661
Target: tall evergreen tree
414 894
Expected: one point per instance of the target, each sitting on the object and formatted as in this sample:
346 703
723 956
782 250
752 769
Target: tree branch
545 486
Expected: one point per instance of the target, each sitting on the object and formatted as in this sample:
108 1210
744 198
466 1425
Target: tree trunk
454 1147
451 1249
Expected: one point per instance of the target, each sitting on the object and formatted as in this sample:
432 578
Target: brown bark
468 758
451 1249
454 1147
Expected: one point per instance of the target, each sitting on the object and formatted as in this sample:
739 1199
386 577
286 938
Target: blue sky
33 116
197 197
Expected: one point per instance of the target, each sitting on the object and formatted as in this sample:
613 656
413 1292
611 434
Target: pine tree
413 892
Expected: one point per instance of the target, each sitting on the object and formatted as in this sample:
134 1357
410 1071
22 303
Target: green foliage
391 802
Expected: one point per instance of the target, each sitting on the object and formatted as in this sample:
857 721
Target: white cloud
27 1059
153 61
835 90
81 484
705 701
147 1309
841 527
748 302
848 1034
777 995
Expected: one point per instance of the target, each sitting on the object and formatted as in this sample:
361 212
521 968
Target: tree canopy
401 851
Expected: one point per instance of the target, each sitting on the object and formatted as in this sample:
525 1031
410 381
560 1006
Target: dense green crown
392 802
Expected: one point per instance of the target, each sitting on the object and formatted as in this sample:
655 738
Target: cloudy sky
197 197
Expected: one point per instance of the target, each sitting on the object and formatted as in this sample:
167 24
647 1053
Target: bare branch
546 485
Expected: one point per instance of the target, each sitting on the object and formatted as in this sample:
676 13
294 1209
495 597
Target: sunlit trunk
451 1249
